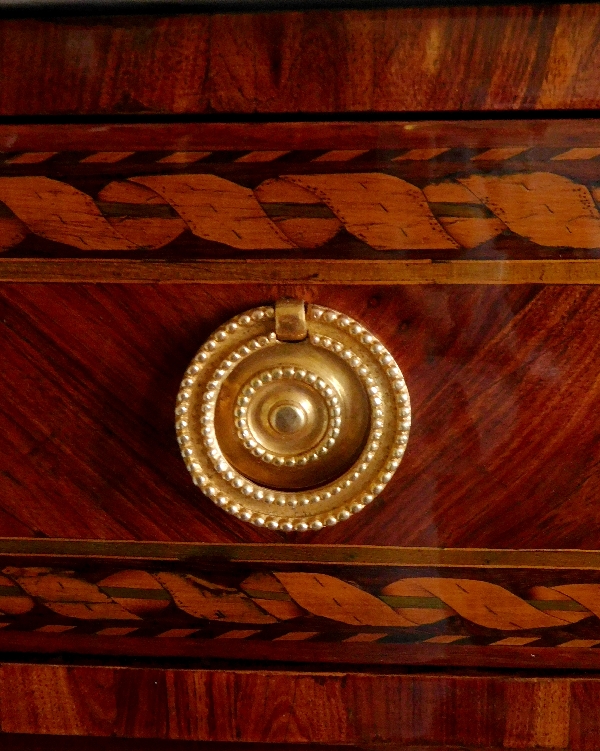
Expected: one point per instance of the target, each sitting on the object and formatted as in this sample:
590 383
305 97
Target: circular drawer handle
292 417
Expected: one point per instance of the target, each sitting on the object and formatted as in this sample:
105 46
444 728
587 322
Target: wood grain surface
503 382
465 58
519 212
503 378
29 742
379 710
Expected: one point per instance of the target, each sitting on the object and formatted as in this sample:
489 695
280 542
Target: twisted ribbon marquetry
265 598
302 211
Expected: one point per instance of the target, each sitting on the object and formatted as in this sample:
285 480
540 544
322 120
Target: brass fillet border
305 554
296 271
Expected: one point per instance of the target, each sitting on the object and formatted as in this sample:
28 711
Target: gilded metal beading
293 436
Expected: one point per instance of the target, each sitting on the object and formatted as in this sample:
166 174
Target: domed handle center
287 418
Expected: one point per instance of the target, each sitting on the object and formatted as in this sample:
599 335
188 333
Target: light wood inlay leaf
60 212
333 598
219 210
488 604
382 210
548 209
217 603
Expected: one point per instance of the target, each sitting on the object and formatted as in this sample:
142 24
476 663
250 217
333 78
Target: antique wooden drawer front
501 456
503 386
469 249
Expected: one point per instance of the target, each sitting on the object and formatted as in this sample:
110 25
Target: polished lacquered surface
502 380
439 616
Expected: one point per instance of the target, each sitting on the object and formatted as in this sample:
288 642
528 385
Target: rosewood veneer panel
491 712
503 381
420 59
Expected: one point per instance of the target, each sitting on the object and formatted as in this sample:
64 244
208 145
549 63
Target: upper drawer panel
402 60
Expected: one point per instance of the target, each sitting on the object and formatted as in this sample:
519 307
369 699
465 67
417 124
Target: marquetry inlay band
293 436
